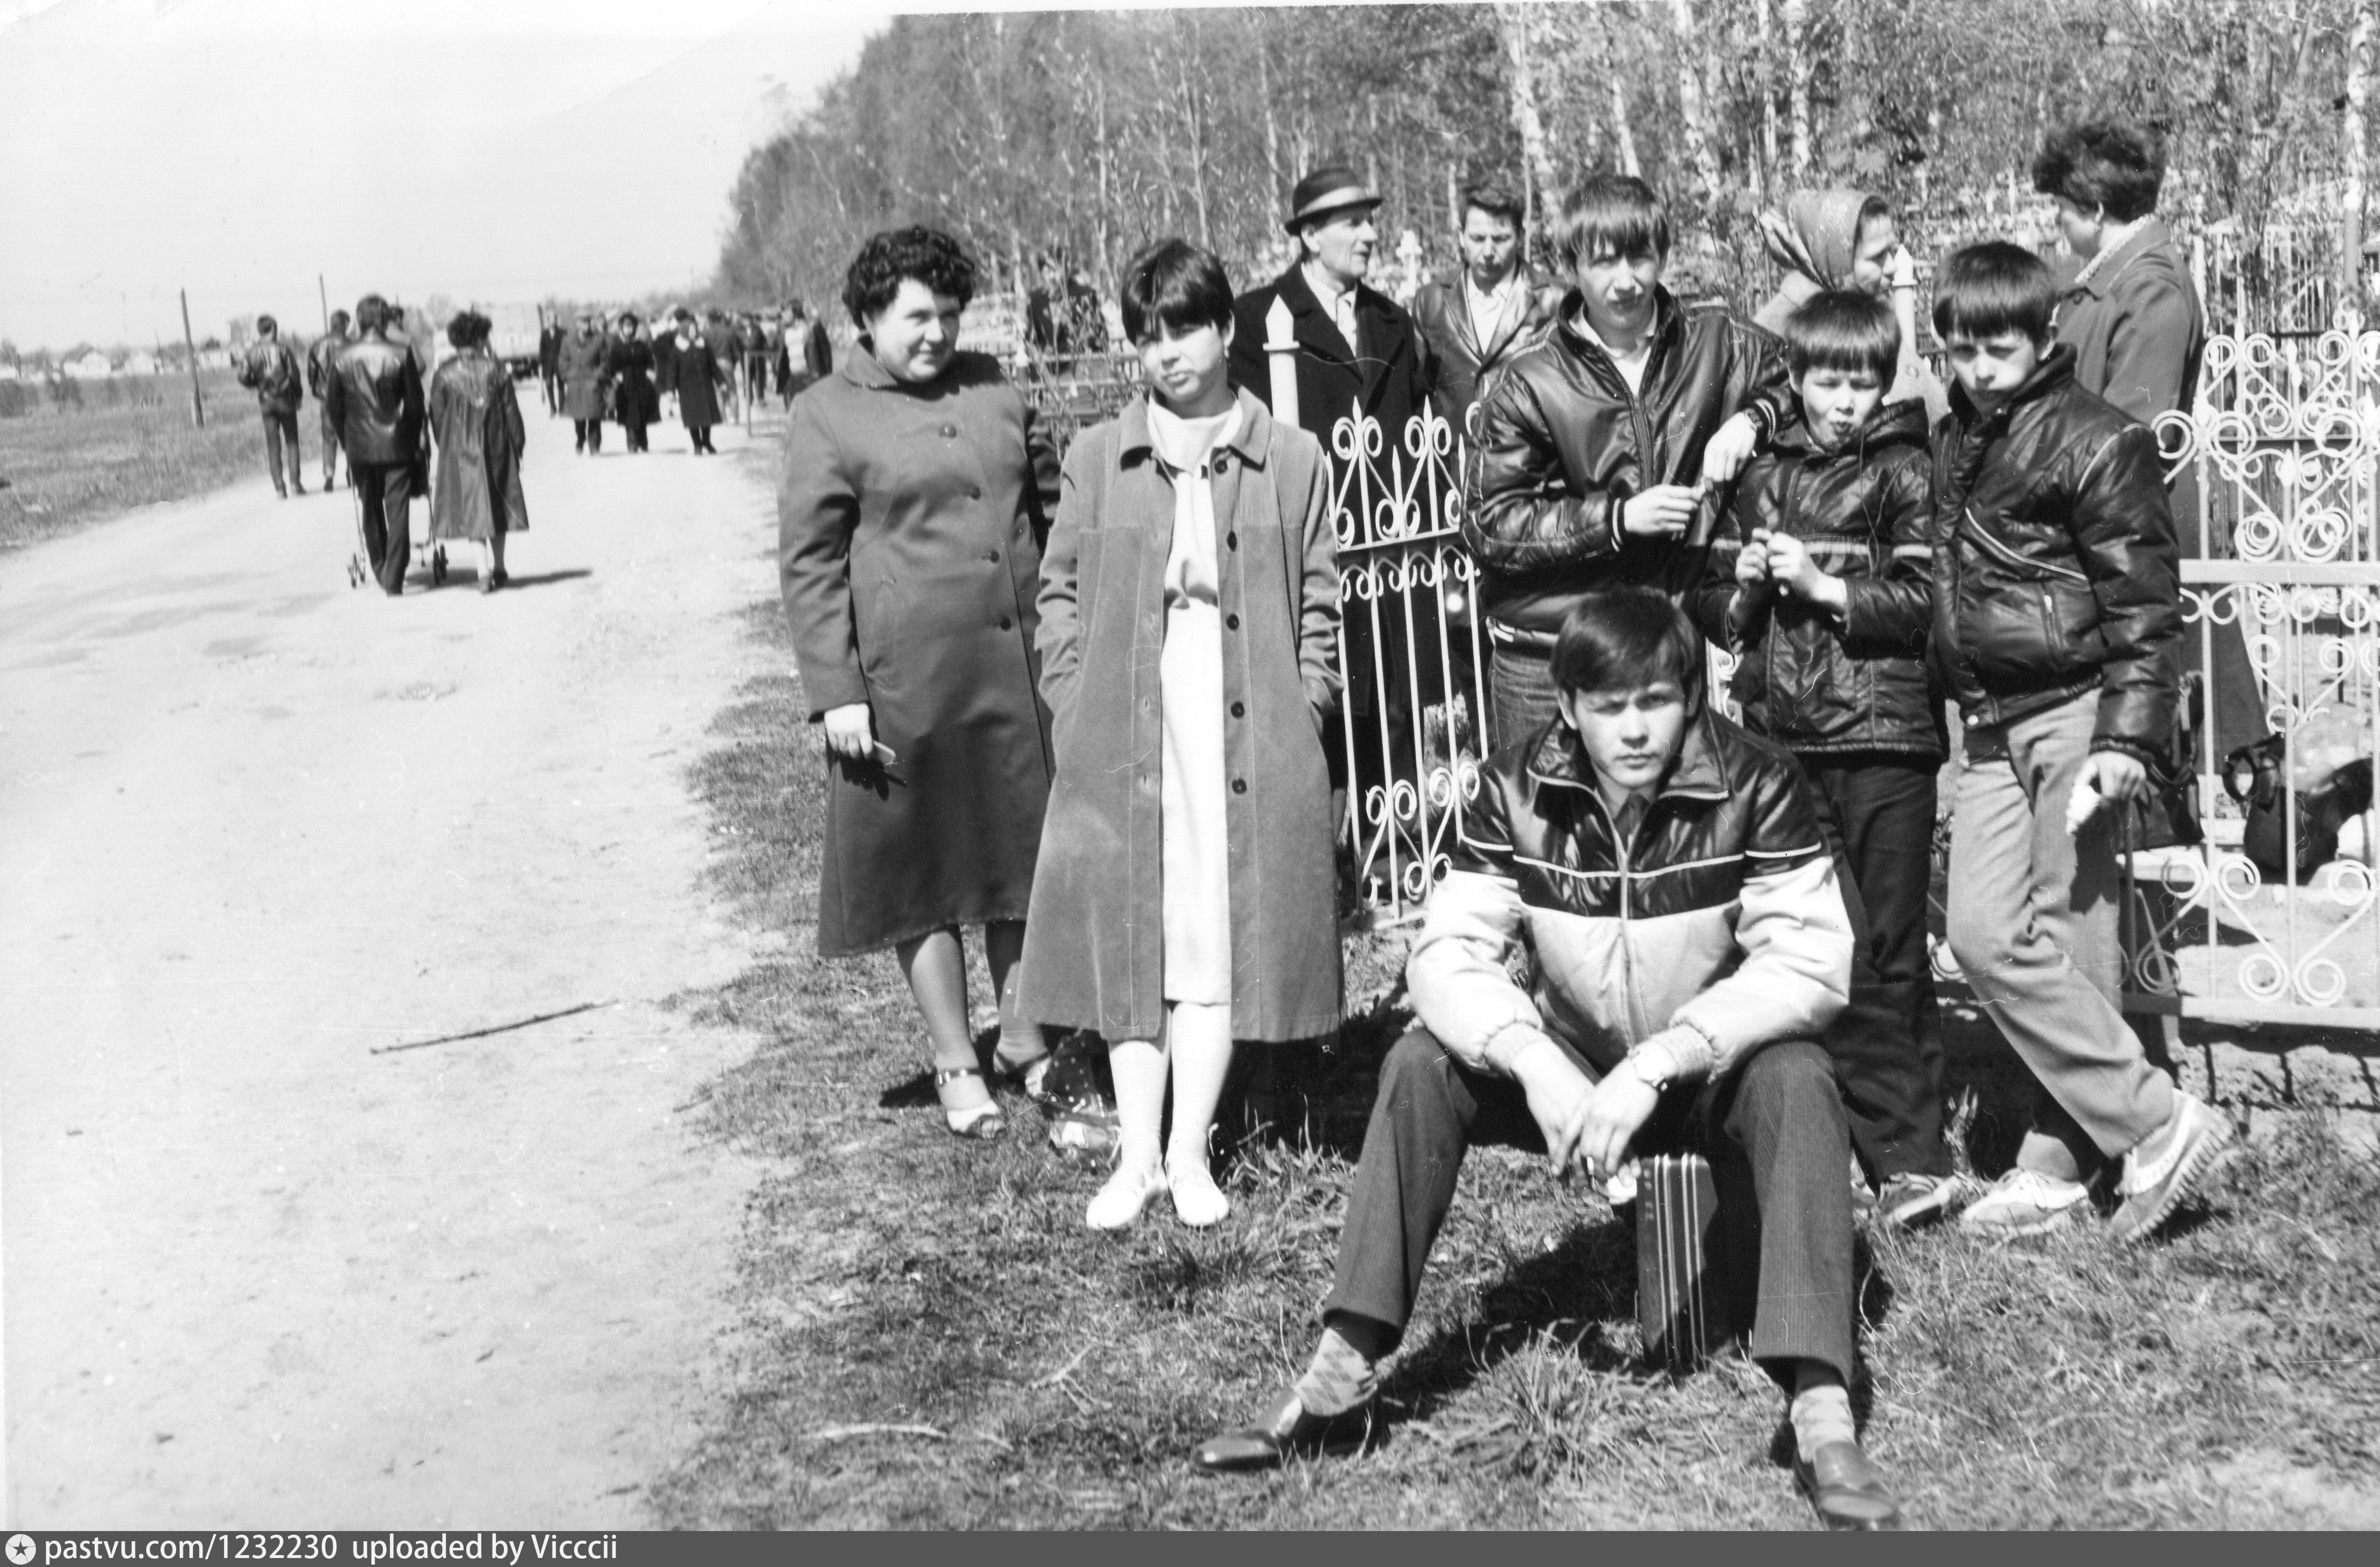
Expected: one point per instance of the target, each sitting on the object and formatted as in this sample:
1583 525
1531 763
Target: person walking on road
700 377
630 366
586 380
549 339
271 370
476 422
376 402
322 363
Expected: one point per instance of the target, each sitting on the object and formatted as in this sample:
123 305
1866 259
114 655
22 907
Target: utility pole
190 346
324 294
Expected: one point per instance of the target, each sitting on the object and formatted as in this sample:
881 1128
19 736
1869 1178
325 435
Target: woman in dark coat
700 377
475 420
634 401
1189 616
915 496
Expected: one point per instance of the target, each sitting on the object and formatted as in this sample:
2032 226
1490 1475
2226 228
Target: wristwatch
1639 1060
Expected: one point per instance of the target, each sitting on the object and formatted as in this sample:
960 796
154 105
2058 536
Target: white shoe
1197 1201
2025 1202
1119 1201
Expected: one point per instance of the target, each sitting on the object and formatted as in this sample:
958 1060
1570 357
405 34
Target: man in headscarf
1829 239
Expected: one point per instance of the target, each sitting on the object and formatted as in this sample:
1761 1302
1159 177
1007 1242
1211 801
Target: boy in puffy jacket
2058 628
1667 872
1824 592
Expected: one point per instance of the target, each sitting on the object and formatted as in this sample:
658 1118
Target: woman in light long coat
910 513
1189 614
475 420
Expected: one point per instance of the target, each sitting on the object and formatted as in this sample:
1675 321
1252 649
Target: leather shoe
1288 1430
1845 1488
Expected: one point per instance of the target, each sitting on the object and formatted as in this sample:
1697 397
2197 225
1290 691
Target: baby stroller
427 551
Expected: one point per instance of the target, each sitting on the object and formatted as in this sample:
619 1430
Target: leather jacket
270 369
1560 443
375 402
1810 680
322 360
2054 562
1441 311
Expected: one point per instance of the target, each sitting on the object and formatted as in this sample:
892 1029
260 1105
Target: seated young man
1667 870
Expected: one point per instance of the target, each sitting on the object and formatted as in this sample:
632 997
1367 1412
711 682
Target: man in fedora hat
1356 348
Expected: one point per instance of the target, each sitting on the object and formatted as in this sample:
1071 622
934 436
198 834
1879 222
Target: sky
488 151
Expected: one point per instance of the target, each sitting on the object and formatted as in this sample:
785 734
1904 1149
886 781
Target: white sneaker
1197 1200
2024 1203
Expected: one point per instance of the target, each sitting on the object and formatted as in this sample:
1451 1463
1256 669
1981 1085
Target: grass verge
929 1337
69 467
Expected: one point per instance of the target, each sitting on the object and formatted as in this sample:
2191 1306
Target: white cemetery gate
2283 442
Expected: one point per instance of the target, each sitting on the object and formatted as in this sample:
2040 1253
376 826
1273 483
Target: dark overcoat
1390 378
585 376
634 401
1095 948
700 377
910 521
475 422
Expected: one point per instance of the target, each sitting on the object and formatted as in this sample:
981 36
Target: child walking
2057 625
1189 608
1823 593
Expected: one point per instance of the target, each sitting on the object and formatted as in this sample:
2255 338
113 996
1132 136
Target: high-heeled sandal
980 1123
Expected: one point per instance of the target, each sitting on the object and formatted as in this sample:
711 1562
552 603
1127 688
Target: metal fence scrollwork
2274 918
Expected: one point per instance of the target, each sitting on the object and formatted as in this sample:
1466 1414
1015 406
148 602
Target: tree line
1087 133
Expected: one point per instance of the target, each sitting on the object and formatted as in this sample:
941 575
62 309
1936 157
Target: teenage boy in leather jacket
1667 873
1598 455
2057 629
1824 592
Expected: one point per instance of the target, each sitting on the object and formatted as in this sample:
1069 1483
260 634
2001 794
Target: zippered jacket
374 400
1560 444
270 369
2055 568
1815 681
1717 928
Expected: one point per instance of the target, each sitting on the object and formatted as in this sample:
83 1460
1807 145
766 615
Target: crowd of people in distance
703 365
1088 704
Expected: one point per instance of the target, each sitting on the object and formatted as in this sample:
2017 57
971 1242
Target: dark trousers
635 434
330 451
1878 815
385 492
280 440
1772 1129
552 383
589 434
1520 688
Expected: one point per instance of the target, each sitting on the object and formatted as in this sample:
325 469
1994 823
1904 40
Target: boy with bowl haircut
2057 627
1823 593
1594 454
1667 872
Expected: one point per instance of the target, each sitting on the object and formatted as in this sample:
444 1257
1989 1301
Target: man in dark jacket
1355 347
1602 454
2132 314
2057 627
376 400
1480 314
322 360
550 338
270 369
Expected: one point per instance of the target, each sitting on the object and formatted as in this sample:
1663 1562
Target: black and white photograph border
579 988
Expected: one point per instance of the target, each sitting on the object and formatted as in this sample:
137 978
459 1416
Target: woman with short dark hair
1189 618
476 422
634 401
915 497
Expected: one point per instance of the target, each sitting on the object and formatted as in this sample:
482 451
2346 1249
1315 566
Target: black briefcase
1683 1287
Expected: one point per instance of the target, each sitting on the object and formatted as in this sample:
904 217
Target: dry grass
130 443
931 1337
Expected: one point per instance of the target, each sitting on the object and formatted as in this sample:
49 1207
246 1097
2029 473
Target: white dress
1190 678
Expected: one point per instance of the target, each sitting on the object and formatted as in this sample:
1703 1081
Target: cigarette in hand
2083 804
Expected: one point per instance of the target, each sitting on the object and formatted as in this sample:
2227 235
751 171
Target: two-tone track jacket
1714 929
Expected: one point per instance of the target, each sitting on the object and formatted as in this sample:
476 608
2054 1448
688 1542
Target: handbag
2251 774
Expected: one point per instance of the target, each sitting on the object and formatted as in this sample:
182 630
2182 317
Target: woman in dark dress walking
914 501
634 401
700 377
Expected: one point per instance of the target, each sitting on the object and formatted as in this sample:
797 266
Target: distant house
140 365
92 366
9 372
214 358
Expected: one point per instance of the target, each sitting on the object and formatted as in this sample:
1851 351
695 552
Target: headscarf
1813 240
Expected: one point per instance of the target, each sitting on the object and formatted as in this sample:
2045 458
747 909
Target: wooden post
190 346
323 293
1280 354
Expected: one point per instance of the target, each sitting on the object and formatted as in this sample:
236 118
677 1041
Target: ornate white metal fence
2282 449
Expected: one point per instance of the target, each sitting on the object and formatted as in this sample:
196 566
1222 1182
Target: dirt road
255 827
